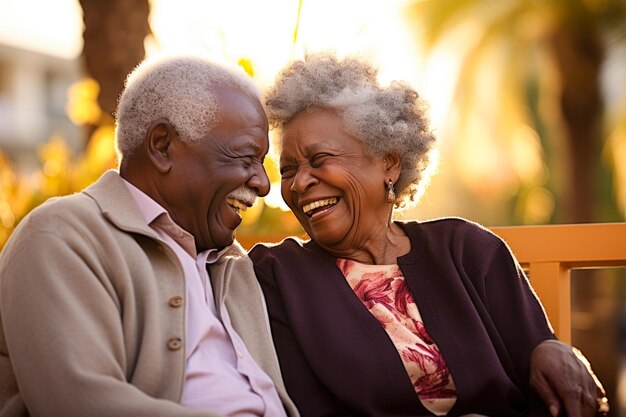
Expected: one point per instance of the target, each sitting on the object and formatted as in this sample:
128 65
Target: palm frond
432 19
297 25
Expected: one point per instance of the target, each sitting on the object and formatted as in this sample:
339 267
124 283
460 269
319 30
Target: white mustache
244 194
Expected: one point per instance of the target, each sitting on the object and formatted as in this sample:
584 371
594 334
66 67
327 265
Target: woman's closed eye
318 159
287 172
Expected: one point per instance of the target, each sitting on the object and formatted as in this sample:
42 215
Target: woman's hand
563 378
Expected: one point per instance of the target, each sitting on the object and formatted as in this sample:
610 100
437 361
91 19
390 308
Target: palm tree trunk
113 43
578 53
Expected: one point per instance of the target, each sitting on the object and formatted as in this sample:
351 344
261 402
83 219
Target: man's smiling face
221 174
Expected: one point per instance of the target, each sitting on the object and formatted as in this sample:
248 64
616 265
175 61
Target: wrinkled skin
564 380
204 174
320 161
193 181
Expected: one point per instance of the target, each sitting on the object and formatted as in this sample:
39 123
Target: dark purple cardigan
475 301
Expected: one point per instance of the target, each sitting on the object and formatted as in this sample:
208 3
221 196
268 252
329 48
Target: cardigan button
174 343
176 301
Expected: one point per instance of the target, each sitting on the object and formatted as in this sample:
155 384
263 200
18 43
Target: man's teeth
237 205
319 203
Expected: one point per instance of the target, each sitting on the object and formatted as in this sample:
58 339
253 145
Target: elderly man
130 298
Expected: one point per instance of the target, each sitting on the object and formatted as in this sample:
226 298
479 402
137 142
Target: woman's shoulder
469 242
450 229
289 246
446 225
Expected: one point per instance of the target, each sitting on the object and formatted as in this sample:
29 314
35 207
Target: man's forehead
231 92
249 143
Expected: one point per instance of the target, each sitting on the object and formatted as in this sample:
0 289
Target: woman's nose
302 181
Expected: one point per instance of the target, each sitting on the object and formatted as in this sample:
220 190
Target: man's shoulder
233 252
77 214
69 218
60 210
68 209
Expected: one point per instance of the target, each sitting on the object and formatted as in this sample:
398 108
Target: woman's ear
392 166
158 144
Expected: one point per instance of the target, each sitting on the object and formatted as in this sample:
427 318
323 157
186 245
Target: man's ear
158 143
392 166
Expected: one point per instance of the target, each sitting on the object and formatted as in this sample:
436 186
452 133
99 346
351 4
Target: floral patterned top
383 291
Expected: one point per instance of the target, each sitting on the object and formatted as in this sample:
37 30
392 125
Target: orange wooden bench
549 252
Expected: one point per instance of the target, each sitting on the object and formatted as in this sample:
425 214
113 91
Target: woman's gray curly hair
181 89
387 119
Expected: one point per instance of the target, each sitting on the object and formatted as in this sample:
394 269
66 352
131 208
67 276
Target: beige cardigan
91 325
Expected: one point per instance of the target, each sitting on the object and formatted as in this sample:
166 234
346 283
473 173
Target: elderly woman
374 317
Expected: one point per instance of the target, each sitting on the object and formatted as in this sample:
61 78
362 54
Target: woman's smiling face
335 190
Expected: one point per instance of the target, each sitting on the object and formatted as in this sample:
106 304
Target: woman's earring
391 194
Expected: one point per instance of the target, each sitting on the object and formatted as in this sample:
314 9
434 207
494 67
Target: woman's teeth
309 208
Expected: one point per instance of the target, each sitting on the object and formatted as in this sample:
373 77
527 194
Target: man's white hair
179 89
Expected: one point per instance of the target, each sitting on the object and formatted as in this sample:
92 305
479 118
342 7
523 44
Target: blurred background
527 99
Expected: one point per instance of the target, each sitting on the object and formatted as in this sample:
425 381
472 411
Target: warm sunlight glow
82 102
616 153
263 32
526 154
538 206
437 85
274 199
259 31
49 27
260 34
482 164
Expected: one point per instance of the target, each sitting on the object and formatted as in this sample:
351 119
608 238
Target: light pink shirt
220 375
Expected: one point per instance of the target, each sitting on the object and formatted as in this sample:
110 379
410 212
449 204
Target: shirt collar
156 216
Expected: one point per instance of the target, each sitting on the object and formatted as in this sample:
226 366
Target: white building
33 98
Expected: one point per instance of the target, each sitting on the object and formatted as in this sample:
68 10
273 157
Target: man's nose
260 182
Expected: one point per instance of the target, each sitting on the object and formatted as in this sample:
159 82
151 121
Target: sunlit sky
53 27
261 31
